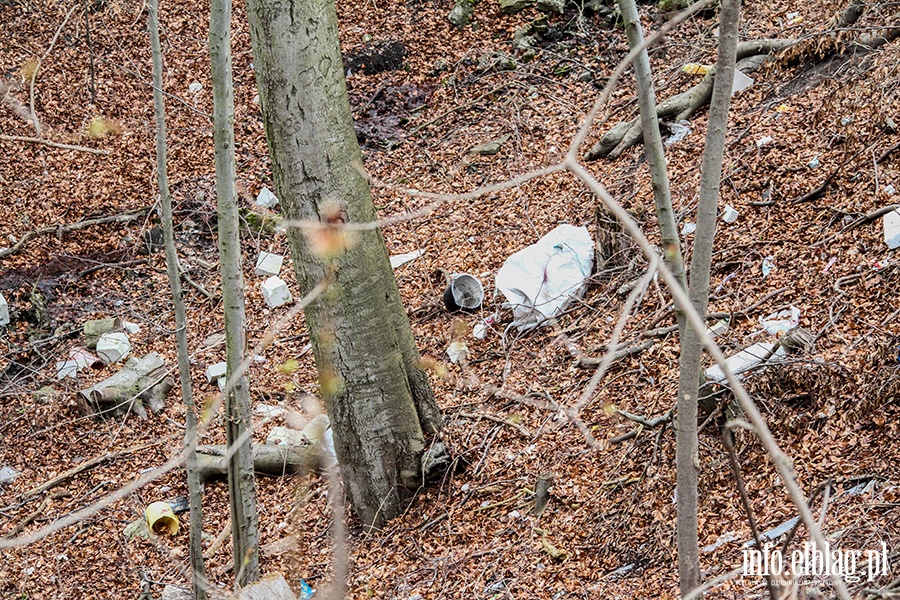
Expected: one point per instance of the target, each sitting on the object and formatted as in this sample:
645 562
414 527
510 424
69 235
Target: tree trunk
654 148
686 453
195 496
379 400
241 483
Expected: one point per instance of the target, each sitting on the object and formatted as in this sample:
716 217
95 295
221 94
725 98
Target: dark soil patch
379 121
376 57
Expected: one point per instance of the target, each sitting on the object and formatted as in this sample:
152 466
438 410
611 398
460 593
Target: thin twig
819 191
779 458
37 512
649 423
866 218
34 120
178 458
87 32
728 438
887 153
86 466
604 363
476 416
698 592
452 110
620 353
35 140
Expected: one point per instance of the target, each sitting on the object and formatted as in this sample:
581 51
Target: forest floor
609 528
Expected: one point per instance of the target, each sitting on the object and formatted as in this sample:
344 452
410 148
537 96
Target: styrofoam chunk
4 311
401 259
8 475
285 436
891 230
718 329
744 361
457 351
268 264
729 214
82 358
266 198
268 411
741 82
66 368
216 371
276 292
113 347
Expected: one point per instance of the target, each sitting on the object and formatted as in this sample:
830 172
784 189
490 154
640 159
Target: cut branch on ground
750 56
60 229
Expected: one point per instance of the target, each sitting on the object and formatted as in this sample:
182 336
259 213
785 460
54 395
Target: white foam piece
729 214
268 264
216 371
4 311
276 292
113 346
745 360
266 198
892 229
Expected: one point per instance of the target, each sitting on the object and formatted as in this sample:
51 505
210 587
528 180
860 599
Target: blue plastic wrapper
306 592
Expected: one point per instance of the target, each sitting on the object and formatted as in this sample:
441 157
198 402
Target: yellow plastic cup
695 69
161 519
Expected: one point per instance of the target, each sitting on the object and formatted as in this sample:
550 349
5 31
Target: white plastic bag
781 322
541 280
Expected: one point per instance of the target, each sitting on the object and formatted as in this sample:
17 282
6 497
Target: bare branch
34 140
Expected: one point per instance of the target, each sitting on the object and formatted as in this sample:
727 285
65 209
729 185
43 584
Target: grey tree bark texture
195 494
241 482
686 453
380 402
653 147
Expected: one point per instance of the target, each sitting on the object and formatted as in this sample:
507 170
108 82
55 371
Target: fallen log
142 381
271 460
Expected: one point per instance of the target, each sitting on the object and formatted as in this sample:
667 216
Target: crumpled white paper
540 280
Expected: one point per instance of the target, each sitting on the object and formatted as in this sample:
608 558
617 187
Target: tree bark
195 495
686 452
241 483
379 400
653 146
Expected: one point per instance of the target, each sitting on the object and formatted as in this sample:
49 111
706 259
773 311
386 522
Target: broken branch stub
141 382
